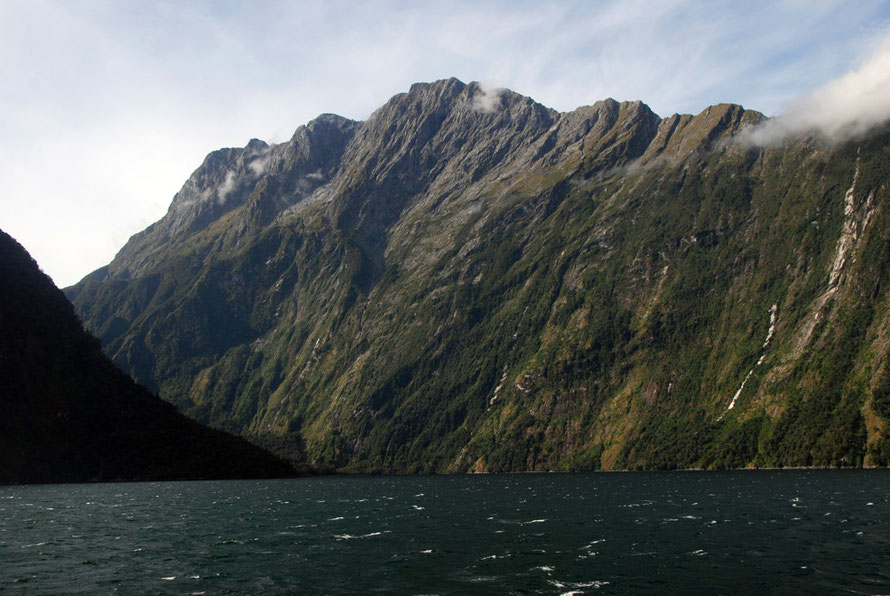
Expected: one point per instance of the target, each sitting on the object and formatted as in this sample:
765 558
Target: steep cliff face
470 281
68 415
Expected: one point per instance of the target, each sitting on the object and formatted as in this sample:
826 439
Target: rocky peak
681 135
265 179
219 185
427 142
294 170
607 133
435 137
256 145
417 134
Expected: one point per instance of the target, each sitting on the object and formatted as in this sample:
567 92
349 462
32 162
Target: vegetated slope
67 414
474 282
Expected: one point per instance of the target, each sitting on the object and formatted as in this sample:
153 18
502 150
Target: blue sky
106 107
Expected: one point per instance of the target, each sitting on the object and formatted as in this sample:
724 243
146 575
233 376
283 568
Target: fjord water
700 532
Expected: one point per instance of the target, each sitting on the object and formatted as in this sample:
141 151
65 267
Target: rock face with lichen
470 281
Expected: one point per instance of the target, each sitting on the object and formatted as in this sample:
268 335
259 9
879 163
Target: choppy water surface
771 532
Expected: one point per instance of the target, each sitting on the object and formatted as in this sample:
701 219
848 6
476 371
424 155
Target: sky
106 107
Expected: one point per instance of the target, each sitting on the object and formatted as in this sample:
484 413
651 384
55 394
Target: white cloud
842 108
259 165
487 99
226 188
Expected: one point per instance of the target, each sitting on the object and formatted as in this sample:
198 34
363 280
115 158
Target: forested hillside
470 281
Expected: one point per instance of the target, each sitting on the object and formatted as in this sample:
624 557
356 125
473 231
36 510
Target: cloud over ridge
843 108
488 98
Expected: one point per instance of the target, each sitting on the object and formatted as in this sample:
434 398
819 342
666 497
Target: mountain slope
68 415
471 281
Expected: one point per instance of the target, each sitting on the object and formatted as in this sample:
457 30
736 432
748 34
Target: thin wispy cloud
258 166
107 106
487 99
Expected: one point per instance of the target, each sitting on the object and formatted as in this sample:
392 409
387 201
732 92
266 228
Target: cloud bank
841 109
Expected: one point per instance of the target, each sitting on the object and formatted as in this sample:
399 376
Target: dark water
739 532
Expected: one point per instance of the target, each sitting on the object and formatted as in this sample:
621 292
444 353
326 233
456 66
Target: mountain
470 281
67 414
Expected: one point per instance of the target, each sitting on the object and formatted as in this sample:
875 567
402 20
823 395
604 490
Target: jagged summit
421 140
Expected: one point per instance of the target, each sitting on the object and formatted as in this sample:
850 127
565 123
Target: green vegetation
513 291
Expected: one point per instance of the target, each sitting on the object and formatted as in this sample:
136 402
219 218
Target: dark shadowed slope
67 414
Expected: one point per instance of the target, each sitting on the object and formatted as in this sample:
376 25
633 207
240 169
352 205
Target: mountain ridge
598 120
470 281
